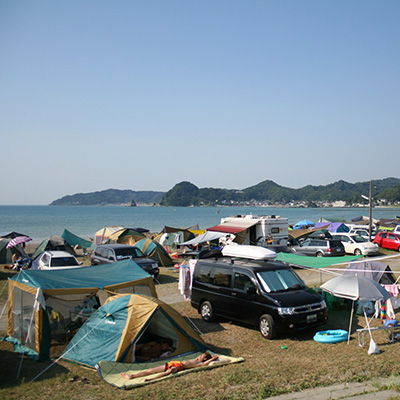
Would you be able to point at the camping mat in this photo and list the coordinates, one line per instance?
(110, 371)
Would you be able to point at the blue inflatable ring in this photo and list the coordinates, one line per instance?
(331, 336)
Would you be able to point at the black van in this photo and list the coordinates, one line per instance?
(269, 295)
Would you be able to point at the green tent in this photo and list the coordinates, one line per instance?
(113, 331)
(154, 250)
(74, 240)
(47, 305)
(313, 262)
(5, 254)
(127, 236)
(53, 243)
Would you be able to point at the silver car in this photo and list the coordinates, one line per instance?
(320, 247)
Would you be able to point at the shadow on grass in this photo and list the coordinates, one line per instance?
(166, 279)
(206, 327)
(16, 369)
(7, 274)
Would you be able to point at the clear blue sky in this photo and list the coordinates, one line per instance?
(142, 95)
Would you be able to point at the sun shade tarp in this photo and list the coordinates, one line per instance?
(233, 227)
(98, 276)
(75, 240)
(314, 262)
(205, 237)
(110, 372)
(298, 233)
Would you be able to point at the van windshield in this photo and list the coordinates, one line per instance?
(280, 280)
(129, 252)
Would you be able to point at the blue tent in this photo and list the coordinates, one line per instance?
(154, 250)
(333, 226)
(303, 224)
(113, 331)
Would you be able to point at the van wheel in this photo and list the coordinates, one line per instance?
(266, 325)
(319, 254)
(206, 311)
(357, 252)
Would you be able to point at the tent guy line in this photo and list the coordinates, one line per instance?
(62, 355)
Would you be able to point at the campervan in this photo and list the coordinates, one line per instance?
(259, 230)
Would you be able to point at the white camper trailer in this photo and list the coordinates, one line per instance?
(258, 230)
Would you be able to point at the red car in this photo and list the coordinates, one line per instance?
(388, 240)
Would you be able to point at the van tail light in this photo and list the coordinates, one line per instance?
(329, 250)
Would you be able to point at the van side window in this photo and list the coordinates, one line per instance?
(242, 282)
(222, 277)
(203, 274)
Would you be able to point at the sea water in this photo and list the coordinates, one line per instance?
(40, 222)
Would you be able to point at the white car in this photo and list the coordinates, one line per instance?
(356, 244)
(55, 260)
(364, 233)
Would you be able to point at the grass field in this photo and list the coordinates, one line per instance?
(287, 364)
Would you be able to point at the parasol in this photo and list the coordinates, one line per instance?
(18, 240)
(354, 287)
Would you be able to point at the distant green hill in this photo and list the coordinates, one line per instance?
(109, 197)
(187, 194)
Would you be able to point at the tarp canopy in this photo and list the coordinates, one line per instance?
(170, 229)
(374, 270)
(298, 233)
(233, 226)
(313, 262)
(11, 235)
(103, 276)
(113, 331)
(53, 243)
(388, 224)
(176, 238)
(205, 237)
(47, 305)
(363, 220)
(75, 240)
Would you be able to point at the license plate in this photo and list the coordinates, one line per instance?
(311, 318)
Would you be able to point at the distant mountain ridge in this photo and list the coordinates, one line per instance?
(109, 197)
(186, 194)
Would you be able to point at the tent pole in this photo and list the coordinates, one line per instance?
(351, 322)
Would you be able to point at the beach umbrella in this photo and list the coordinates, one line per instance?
(18, 240)
(354, 287)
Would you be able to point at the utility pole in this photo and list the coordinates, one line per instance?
(370, 210)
